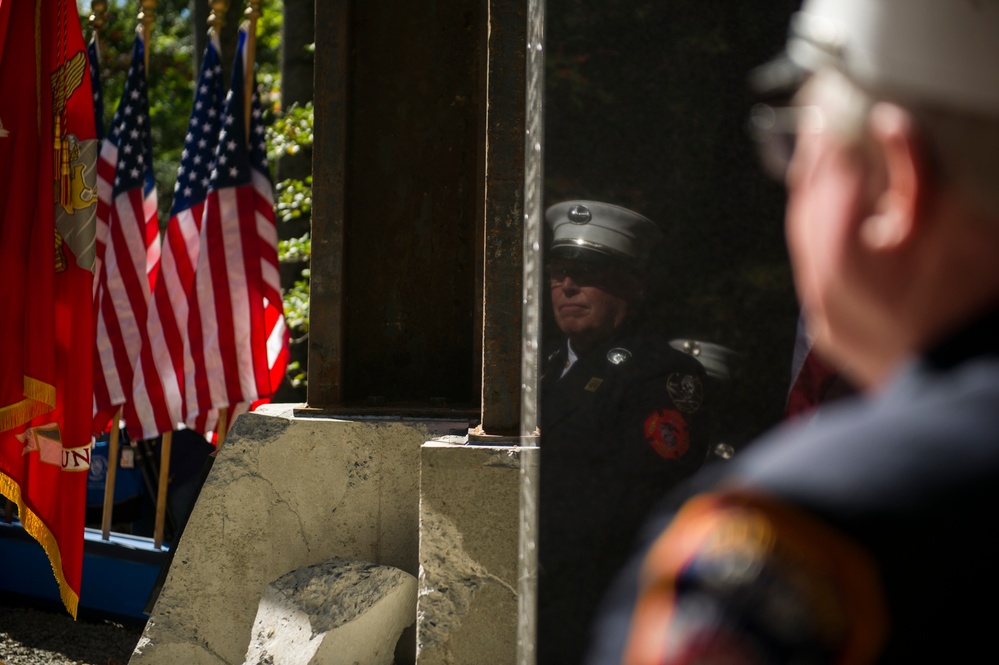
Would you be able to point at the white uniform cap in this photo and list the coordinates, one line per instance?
(604, 228)
(942, 52)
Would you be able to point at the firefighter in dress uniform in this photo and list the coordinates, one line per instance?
(622, 415)
(864, 535)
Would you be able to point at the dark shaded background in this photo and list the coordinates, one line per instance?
(646, 105)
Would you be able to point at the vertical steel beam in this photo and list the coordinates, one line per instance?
(502, 289)
(328, 195)
(533, 202)
(529, 458)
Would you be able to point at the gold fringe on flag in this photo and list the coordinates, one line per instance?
(39, 398)
(38, 530)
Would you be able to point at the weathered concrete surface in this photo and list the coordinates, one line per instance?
(467, 609)
(284, 492)
(338, 612)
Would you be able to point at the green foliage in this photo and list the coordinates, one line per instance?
(294, 199)
(290, 132)
(269, 35)
(287, 135)
(296, 375)
(296, 301)
(295, 249)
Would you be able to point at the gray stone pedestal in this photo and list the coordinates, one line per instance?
(467, 607)
(285, 492)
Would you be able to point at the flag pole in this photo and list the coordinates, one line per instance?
(161, 491)
(222, 427)
(146, 18)
(98, 12)
(216, 18)
(252, 13)
(166, 441)
(109, 479)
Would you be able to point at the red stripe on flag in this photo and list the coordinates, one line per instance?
(238, 346)
(257, 351)
(129, 253)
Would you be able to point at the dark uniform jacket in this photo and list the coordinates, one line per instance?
(866, 535)
(623, 426)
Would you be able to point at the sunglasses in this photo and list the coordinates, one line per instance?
(581, 273)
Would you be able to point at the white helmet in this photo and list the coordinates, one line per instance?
(941, 52)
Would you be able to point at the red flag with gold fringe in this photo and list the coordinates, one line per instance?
(48, 151)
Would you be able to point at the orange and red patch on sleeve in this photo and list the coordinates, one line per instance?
(668, 433)
(742, 579)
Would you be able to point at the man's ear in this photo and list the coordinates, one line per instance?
(897, 206)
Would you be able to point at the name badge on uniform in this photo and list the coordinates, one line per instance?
(593, 384)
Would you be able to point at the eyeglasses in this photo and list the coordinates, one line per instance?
(775, 131)
(581, 273)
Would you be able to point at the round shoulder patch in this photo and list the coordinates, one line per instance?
(668, 434)
(686, 391)
(618, 356)
(754, 569)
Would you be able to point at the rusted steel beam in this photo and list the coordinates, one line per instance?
(502, 290)
(328, 195)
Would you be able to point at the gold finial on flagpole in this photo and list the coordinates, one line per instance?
(252, 13)
(216, 18)
(146, 19)
(98, 13)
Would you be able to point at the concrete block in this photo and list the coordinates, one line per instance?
(339, 612)
(284, 492)
(469, 502)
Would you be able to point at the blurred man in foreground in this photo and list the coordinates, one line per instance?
(622, 415)
(866, 535)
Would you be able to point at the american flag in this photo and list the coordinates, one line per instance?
(128, 247)
(236, 332)
(159, 403)
(94, 57)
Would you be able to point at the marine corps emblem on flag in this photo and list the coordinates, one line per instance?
(76, 175)
(668, 434)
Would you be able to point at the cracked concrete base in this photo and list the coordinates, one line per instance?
(285, 492)
(338, 612)
(467, 607)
